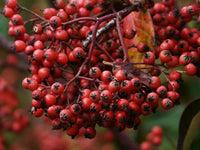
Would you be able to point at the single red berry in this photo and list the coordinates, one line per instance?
(149, 58)
(166, 103)
(190, 69)
(142, 47)
(55, 21)
(154, 82)
(37, 28)
(62, 58)
(106, 96)
(85, 93)
(90, 132)
(121, 75)
(168, 3)
(75, 109)
(50, 100)
(165, 56)
(12, 3)
(126, 86)
(173, 86)
(57, 88)
(70, 9)
(157, 140)
(138, 98)
(145, 146)
(37, 112)
(73, 130)
(121, 116)
(61, 35)
(157, 131)
(86, 102)
(8, 12)
(146, 109)
(95, 96)
(152, 97)
(114, 86)
(44, 72)
(65, 115)
(161, 91)
(136, 83)
(20, 45)
(94, 72)
(38, 55)
(17, 19)
(122, 104)
(106, 76)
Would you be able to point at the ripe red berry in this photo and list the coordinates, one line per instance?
(149, 58)
(106, 96)
(190, 69)
(142, 47)
(146, 109)
(166, 103)
(20, 45)
(154, 82)
(62, 58)
(44, 72)
(165, 56)
(50, 100)
(17, 19)
(94, 72)
(157, 131)
(145, 146)
(106, 76)
(57, 88)
(161, 91)
(55, 21)
(90, 132)
(120, 75)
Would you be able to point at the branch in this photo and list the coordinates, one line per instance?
(123, 13)
(7, 46)
(125, 141)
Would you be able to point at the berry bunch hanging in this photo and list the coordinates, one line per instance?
(81, 72)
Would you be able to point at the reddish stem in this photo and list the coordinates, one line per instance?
(89, 55)
(33, 13)
(79, 19)
(126, 57)
(102, 49)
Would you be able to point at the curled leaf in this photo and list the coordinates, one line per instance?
(188, 114)
(134, 72)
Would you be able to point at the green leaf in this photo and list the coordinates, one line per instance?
(187, 116)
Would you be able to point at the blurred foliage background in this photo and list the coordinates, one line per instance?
(168, 120)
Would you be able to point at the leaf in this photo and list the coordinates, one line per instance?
(133, 72)
(140, 22)
(188, 114)
(191, 133)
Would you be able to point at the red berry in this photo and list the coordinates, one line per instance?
(20, 45)
(55, 21)
(57, 88)
(94, 72)
(149, 58)
(190, 69)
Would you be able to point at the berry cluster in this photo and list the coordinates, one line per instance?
(81, 71)
(11, 118)
(153, 138)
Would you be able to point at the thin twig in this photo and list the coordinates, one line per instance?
(125, 51)
(31, 12)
